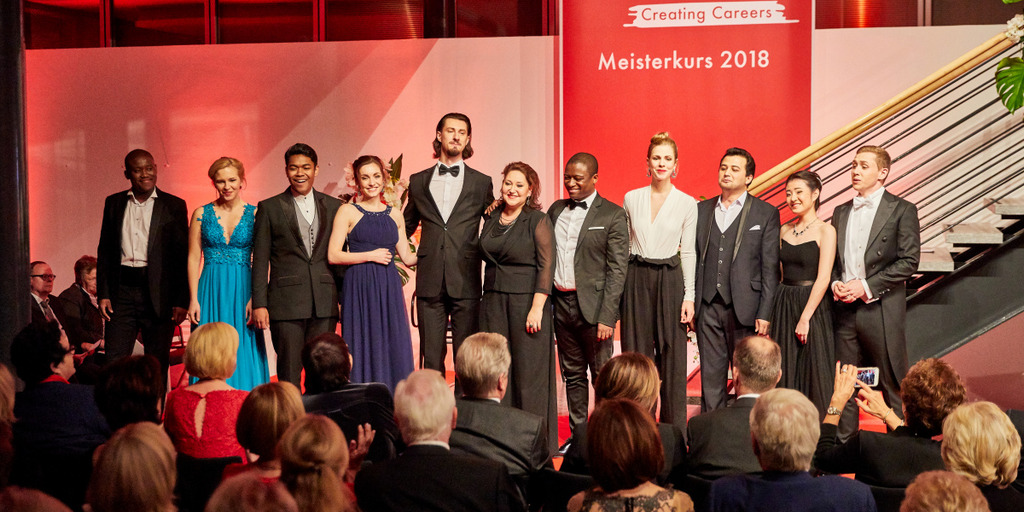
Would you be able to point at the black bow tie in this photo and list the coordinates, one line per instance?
(574, 204)
(444, 169)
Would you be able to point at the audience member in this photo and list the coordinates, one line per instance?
(980, 443)
(7, 389)
(81, 308)
(131, 390)
(626, 455)
(784, 430)
(943, 491)
(17, 499)
(633, 376)
(58, 424)
(46, 307)
(427, 476)
(485, 428)
(201, 418)
(248, 492)
(314, 457)
(1017, 417)
(329, 392)
(265, 415)
(930, 391)
(719, 440)
(134, 472)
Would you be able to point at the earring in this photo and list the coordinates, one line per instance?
(675, 173)
(648, 172)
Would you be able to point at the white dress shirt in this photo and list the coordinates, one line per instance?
(672, 232)
(724, 217)
(858, 229)
(39, 303)
(567, 236)
(446, 189)
(135, 231)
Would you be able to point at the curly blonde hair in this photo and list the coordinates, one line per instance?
(980, 442)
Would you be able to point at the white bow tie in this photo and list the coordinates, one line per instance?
(861, 202)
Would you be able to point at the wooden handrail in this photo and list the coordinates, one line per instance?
(986, 51)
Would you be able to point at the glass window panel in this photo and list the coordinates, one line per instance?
(959, 12)
(865, 13)
(352, 20)
(62, 23)
(487, 18)
(265, 21)
(158, 22)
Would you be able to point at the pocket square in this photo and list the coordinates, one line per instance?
(757, 227)
(591, 228)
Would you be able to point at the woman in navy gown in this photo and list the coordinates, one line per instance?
(219, 270)
(373, 317)
(802, 317)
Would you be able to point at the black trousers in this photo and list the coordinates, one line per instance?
(134, 314)
(718, 330)
(288, 337)
(578, 350)
(433, 313)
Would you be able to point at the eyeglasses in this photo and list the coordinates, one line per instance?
(45, 277)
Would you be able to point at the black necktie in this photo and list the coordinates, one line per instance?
(443, 169)
(574, 204)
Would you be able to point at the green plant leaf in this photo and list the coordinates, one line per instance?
(1010, 1)
(396, 169)
(1010, 82)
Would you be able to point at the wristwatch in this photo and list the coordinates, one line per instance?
(832, 411)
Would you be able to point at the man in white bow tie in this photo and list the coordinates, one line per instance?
(737, 271)
(878, 249)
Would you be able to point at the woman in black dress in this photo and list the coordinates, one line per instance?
(518, 249)
(802, 317)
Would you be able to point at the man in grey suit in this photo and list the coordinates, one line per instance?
(290, 236)
(719, 440)
(448, 199)
(591, 254)
(737, 271)
(878, 239)
(485, 428)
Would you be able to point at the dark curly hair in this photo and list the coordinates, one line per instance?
(532, 181)
(930, 391)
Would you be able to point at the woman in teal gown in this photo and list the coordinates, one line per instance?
(219, 270)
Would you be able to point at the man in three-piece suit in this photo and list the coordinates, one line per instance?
(737, 271)
(290, 234)
(486, 428)
(427, 475)
(719, 440)
(592, 251)
(141, 272)
(878, 249)
(449, 200)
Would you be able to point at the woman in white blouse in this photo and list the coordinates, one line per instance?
(657, 301)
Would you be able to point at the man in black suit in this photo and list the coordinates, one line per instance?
(81, 307)
(878, 245)
(46, 307)
(449, 200)
(719, 440)
(290, 236)
(737, 271)
(486, 428)
(427, 476)
(592, 251)
(141, 272)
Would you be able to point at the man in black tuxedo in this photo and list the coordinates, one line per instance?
(737, 271)
(719, 440)
(487, 429)
(290, 234)
(427, 475)
(592, 251)
(449, 200)
(141, 272)
(878, 248)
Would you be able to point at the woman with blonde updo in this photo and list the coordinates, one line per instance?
(657, 300)
(134, 471)
(980, 442)
(314, 460)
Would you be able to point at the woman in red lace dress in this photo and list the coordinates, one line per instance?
(200, 419)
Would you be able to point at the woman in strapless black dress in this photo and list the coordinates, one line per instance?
(802, 317)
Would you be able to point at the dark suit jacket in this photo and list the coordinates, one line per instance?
(577, 460)
(526, 261)
(167, 254)
(719, 441)
(431, 478)
(755, 268)
(515, 438)
(84, 323)
(59, 308)
(1017, 417)
(891, 257)
(883, 460)
(301, 285)
(448, 251)
(357, 404)
(776, 491)
(602, 254)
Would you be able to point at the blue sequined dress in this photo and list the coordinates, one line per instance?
(225, 287)
(374, 322)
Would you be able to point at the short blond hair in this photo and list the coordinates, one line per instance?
(134, 471)
(211, 351)
(943, 491)
(424, 405)
(482, 359)
(784, 423)
(629, 375)
(980, 442)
